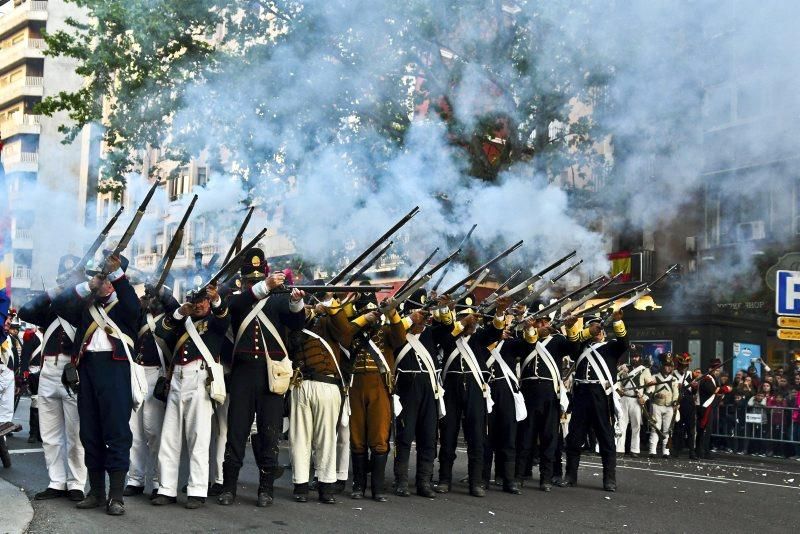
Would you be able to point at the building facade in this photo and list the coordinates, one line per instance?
(47, 194)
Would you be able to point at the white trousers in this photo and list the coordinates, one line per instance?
(188, 414)
(6, 394)
(631, 414)
(219, 437)
(59, 425)
(312, 427)
(146, 425)
(663, 420)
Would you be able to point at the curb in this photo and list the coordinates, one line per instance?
(17, 509)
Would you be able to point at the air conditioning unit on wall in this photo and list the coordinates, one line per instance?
(751, 231)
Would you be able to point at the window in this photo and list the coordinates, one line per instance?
(202, 176)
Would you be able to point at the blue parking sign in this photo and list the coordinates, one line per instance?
(787, 293)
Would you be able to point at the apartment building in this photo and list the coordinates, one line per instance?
(42, 174)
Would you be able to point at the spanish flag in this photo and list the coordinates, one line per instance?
(621, 263)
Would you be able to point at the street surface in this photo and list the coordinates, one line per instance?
(741, 495)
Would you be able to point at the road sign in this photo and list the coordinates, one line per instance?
(789, 334)
(789, 322)
(787, 293)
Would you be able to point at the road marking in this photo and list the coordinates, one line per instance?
(699, 477)
(712, 463)
(24, 451)
(691, 477)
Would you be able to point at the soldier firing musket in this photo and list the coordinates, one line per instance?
(92, 250)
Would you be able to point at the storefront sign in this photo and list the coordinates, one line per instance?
(789, 334)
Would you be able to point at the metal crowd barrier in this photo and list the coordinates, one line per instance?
(760, 423)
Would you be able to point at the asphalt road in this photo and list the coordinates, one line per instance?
(654, 496)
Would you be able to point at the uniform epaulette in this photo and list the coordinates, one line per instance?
(619, 329)
(499, 321)
(531, 335)
(407, 322)
(457, 328)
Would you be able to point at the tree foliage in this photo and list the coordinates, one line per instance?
(264, 83)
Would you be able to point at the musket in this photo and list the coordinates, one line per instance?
(557, 304)
(648, 288)
(586, 298)
(162, 270)
(344, 272)
(331, 289)
(480, 269)
(400, 297)
(232, 264)
(538, 276)
(369, 263)
(496, 293)
(533, 294)
(472, 286)
(433, 270)
(416, 272)
(237, 241)
(602, 306)
(458, 250)
(92, 250)
(128, 235)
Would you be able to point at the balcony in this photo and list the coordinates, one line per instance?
(21, 277)
(21, 162)
(20, 16)
(147, 261)
(19, 52)
(26, 125)
(31, 86)
(22, 238)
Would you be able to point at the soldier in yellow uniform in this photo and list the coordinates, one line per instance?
(370, 398)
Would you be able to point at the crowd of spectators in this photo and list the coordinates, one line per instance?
(761, 414)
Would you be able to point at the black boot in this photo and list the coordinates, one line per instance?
(475, 472)
(571, 471)
(338, 487)
(116, 487)
(300, 492)
(34, 435)
(378, 477)
(5, 456)
(445, 478)
(359, 475)
(230, 476)
(610, 473)
(97, 491)
(401, 478)
(326, 491)
(266, 479)
(510, 484)
(424, 473)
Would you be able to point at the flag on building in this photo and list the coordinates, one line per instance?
(621, 263)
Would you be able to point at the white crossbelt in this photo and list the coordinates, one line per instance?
(427, 361)
(345, 419)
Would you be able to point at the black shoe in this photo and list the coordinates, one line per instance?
(193, 503)
(477, 491)
(264, 500)
(326, 493)
(31, 439)
(555, 481)
(130, 491)
(378, 476)
(652, 455)
(634, 455)
(153, 494)
(568, 483)
(50, 493)
(161, 500)
(425, 490)
(512, 487)
(91, 501)
(402, 490)
(75, 495)
(545, 487)
(610, 486)
(442, 487)
(226, 498)
(215, 490)
(115, 507)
